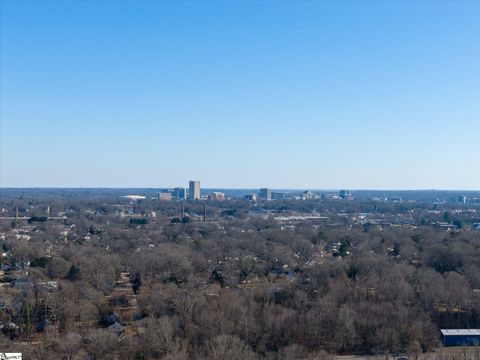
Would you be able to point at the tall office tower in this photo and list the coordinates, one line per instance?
(194, 190)
(179, 193)
(265, 194)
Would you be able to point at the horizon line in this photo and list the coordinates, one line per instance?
(228, 188)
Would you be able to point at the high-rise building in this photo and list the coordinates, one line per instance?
(179, 193)
(194, 190)
(265, 194)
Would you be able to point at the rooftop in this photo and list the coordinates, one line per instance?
(460, 332)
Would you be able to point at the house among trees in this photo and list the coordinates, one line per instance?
(116, 328)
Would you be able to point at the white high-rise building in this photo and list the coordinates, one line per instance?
(194, 190)
(265, 194)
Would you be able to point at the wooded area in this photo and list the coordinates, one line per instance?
(240, 285)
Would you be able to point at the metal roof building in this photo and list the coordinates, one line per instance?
(460, 337)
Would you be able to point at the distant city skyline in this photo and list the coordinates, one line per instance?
(284, 95)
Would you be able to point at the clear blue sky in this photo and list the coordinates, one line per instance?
(317, 94)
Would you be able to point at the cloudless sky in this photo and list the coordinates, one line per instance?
(285, 94)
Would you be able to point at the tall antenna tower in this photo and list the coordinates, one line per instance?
(16, 213)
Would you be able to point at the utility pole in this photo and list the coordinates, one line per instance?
(204, 212)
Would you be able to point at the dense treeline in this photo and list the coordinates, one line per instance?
(240, 285)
